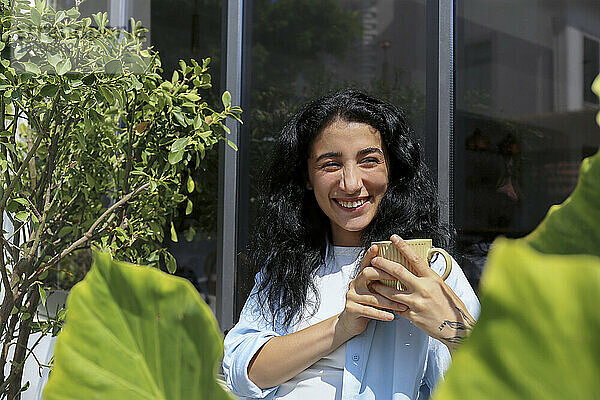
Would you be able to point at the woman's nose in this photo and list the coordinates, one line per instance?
(350, 181)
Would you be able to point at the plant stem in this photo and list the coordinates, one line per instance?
(21, 348)
(89, 234)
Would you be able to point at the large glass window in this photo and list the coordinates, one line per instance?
(525, 115)
(304, 49)
(182, 30)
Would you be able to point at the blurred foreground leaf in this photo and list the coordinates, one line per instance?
(537, 336)
(136, 333)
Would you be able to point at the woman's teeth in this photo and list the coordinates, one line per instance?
(352, 204)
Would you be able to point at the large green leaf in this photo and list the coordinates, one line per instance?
(537, 336)
(136, 333)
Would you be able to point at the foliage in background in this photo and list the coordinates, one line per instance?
(95, 150)
(537, 336)
(136, 333)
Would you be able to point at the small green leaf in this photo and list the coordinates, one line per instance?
(2, 46)
(189, 207)
(60, 15)
(43, 275)
(173, 233)
(113, 67)
(63, 66)
(49, 90)
(171, 263)
(190, 234)
(175, 157)
(54, 59)
(43, 294)
(175, 77)
(180, 118)
(180, 144)
(21, 201)
(36, 17)
(32, 68)
(226, 99)
(22, 216)
(231, 144)
(190, 184)
(73, 13)
(192, 97)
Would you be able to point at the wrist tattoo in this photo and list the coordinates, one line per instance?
(464, 326)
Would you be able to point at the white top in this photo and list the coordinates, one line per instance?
(410, 360)
(323, 380)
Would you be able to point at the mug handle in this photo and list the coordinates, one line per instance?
(447, 258)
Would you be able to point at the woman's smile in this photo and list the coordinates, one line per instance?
(348, 172)
(351, 205)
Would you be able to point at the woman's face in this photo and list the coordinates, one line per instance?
(348, 172)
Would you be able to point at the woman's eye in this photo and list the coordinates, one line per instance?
(370, 160)
(330, 165)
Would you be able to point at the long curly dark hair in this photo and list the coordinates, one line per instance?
(291, 234)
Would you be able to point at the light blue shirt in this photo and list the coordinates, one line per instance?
(389, 360)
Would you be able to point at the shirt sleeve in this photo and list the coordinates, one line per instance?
(438, 357)
(241, 344)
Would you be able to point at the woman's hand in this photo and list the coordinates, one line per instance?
(363, 304)
(432, 305)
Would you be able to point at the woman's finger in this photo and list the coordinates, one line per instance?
(420, 267)
(366, 260)
(371, 273)
(377, 300)
(373, 313)
(393, 295)
(398, 271)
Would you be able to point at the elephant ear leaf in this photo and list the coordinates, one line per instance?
(537, 335)
(136, 333)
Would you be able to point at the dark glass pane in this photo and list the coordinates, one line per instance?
(184, 30)
(523, 119)
(590, 68)
(302, 49)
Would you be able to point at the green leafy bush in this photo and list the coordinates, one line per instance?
(95, 151)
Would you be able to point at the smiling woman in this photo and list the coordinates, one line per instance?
(345, 171)
(348, 172)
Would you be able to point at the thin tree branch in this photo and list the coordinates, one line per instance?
(89, 234)
(19, 354)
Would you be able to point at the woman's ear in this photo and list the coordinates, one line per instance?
(308, 185)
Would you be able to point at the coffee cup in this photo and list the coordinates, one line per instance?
(424, 249)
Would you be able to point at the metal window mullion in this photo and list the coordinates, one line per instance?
(445, 157)
(440, 100)
(228, 172)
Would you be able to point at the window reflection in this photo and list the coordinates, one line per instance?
(184, 30)
(525, 114)
(304, 49)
